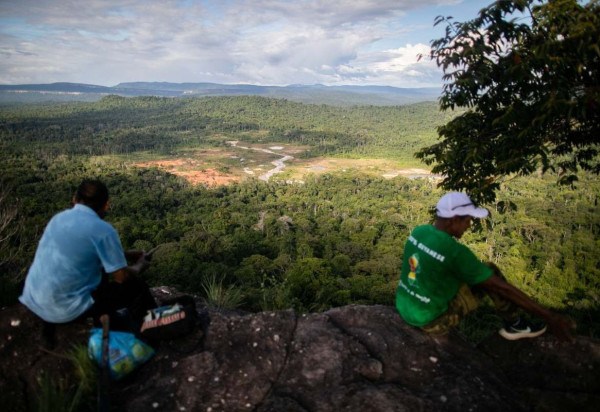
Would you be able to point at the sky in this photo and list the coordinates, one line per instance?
(263, 42)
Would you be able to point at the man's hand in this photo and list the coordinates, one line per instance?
(142, 263)
(151, 252)
(133, 255)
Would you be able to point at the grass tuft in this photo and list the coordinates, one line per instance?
(219, 296)
(69, 394)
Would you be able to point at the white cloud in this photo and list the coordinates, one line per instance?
(248, 41)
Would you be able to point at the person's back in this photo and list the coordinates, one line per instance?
(68, 263)
(435, 267)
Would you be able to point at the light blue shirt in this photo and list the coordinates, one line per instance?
(68, 263)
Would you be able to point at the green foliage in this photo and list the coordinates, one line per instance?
(216, 295)
(118, 125)
(529, 74)
(68, 394)
(53, 396)
(333, 240)
(479, 325)
(86, 372)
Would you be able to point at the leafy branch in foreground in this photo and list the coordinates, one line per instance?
(528, 73)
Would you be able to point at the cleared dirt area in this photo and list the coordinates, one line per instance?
(192, 170)
(208, 177)
(215, 167)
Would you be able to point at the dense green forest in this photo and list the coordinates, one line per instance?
(333, 240)
(119, 125)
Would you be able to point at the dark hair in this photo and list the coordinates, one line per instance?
(92, 193)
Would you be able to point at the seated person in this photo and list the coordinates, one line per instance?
(442, 280)
(76, 256)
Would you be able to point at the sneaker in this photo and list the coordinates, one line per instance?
(522, 329)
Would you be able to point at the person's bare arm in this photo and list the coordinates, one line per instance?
(560, 326)
(138, 267)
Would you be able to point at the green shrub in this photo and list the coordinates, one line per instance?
(70, 393)
(217, 295)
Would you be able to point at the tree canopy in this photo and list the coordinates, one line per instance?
(332, 240)
(527, 73)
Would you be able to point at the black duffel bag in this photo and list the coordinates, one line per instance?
(175, 318)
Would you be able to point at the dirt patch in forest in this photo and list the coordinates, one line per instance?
(166, 164)
(207, 177)
(192, 171)
(218, 167)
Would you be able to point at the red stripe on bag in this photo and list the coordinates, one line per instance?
(163, 321)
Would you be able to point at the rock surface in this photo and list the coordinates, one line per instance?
(352, 358)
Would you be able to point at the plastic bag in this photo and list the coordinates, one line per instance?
(126, 352)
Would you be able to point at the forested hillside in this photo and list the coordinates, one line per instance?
(335, 239)
(312, 94)
(119, 125)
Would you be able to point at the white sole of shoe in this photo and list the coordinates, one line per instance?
(520, 335)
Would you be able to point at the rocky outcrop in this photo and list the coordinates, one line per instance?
(353, 358)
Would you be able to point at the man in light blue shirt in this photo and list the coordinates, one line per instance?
(65, 280)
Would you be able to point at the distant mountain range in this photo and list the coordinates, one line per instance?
(316, 94)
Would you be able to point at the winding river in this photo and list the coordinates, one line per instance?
(279, 163)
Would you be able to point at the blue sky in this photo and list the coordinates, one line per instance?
(266, 42)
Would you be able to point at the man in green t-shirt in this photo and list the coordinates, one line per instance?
(442, 280)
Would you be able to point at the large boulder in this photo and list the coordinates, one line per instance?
(353, 358)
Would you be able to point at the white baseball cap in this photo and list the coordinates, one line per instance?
(458, 204)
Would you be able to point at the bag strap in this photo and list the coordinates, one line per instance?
(104, 382)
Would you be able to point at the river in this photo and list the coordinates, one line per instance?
(279, 163)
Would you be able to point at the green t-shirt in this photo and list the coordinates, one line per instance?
(434, 267)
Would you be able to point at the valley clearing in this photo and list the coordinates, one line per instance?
(217, 167)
